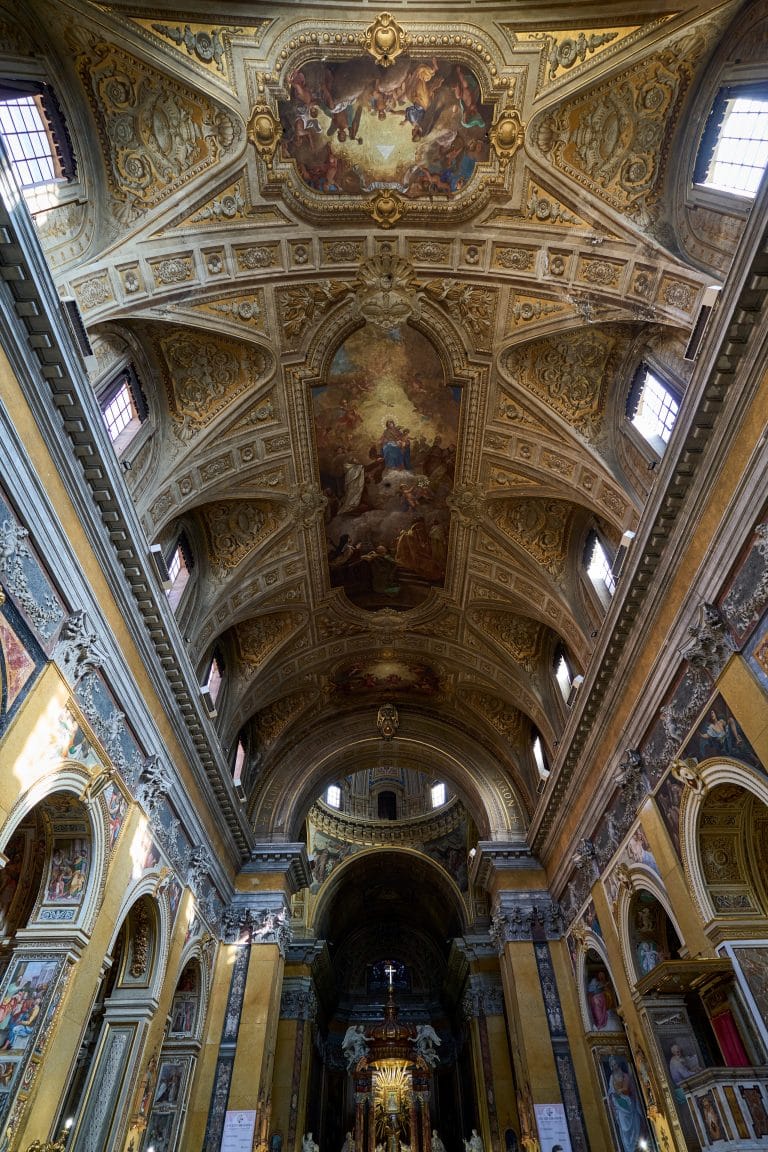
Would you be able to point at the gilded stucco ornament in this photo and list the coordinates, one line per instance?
(386, 208)
(264, 132)
(688, 772)
(387, 291)
(387, 721)
(385, 39)
(507, 136)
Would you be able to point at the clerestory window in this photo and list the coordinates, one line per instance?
(34, 134)
(599, 567)
(123, 408)
(652, 407)
(734, 148)
(179, 571)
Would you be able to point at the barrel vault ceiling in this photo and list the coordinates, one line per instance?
(385, 280)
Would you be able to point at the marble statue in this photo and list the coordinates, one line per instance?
(426, 1040)
(354, 1045)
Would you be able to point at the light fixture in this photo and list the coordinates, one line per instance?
(68, 1123)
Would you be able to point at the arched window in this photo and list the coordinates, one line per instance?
(239, 765)
(438, 794)
(333, 796)
(215, 676)
(734, 146)
(387, 802)
(563, 674)
(35, 134)
(539, 756)
(123, 407)
(180, 568)
(599, 568)
(652, 407)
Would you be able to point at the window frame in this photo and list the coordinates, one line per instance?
(175, 596)
(240, 762)
(336, 788)
(542, 765)
(647, 365)
(744, 76)
(29, 80)
(561, 658)
(602, 590)
(439, 784)
(215, 684)
(711, 136)
(125, 377)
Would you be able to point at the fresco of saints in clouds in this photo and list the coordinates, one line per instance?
(386, 428)
(418, 128)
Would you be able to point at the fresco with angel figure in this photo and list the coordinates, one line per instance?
(418, 128)
(386, 427)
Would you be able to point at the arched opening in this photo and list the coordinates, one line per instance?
(652, 934)
(45, 890)
(389, 920)
(387, 805)
(177, 1061)
(98, 1099)
(732, 840)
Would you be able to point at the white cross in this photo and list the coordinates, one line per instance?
(390, 971)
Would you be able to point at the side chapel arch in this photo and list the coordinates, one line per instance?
(724, 776)
(71, 781)
(635, 880)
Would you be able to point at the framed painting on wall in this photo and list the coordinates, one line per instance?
(622, 1097)
(750, 963)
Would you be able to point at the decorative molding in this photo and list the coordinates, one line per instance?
(525, 916)
(631, 779)
(289, 860)
(79, 649)
(710, 646)
(483, 996)
(298, 1000)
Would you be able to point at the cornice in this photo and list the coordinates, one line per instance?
(494, 857)
(418, 829)
(97, 488)
(726, 358)
(289, 860)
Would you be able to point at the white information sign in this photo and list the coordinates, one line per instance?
(553, 1128)
(238, 1131)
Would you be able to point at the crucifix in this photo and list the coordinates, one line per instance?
(390, 971)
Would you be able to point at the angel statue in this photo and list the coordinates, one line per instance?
(475, 1142)
(309, 1144)
(354, 1044)
(426, 1040)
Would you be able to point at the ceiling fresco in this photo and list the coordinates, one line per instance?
(386, 427)
(385, 283)
(418, 128)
